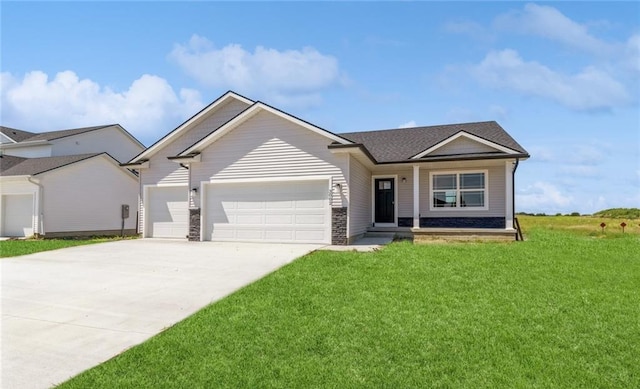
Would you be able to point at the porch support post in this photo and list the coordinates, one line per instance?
(416, 196)
(508, 179)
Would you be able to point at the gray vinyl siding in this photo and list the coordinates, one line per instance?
(462, 145)
(163, 171)
(267, 145)
(360, 198)
(405, 193)
(496, 194)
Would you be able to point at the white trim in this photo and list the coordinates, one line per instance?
(194, 119)
(247, 114)
(416, 196)
(466, 135)
(458, 208)
(395, 200)
(268, 179)
(186, 159)
(145, 196)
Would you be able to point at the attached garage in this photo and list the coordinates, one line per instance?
(17, 215)
(167, 212)
(282, 211)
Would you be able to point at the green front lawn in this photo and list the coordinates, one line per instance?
(16, 247)
(558, 310)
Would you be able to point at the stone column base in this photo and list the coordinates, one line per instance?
(339, 226)
(194, 225)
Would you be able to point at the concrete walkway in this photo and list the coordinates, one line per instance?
(65, 311)
(368, 243)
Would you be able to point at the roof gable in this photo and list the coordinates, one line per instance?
(15, 134)
(246, 115)
(189, 123)
(478, 146)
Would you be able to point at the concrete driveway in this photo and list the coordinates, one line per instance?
(65, 311)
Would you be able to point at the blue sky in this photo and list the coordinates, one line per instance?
(562, 77)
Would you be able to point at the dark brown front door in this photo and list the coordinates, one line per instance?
(385, 200)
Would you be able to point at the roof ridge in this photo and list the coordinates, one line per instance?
(420, 127)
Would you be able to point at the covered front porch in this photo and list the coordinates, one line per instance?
(462, 200)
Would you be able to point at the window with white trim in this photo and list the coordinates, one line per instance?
(459, 190)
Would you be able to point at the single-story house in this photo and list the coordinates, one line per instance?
(67, 183)
(241, 170)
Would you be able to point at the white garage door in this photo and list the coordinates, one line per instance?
(167, 212)
(17, 215)
(291, 211)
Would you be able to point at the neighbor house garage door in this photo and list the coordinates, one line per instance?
(17, 215)
(288, 211)
(167, 212)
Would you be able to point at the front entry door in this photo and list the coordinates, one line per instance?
(385, 200)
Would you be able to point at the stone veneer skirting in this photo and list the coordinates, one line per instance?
(454, 222)
(194, 224)
(339, 226)
(462, 222)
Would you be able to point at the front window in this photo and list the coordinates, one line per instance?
(459, 190)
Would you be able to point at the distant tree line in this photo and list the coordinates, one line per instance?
(616, 213)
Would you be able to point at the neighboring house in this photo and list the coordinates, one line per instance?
(67, 183)
(112, 139)
(241, 170)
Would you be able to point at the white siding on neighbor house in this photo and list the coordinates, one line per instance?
(360, 196)
(86, 196)
(109, 139)
(267, 145)
(462, 145)
(496, 194)
(18, 187)
(29, 151)
(164, 171)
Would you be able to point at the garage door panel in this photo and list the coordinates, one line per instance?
(17, 215)
(167, 212)
(270, 212)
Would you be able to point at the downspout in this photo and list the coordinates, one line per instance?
(513, 187)
(40, 206)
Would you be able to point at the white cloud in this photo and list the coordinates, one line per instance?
(586, 155)
(282, 77)
(588, 171)
(548, 22)
(37, 103)
(591, 89)
(542, 197)
(409, 124)
(471, 29)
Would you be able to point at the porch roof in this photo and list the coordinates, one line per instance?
(400, 145)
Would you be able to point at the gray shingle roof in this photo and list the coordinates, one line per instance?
(401, 144)
(15, 134)
(18, 166)
(51, 135)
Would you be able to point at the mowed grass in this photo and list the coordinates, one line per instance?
(16, 247)
(559, 310)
